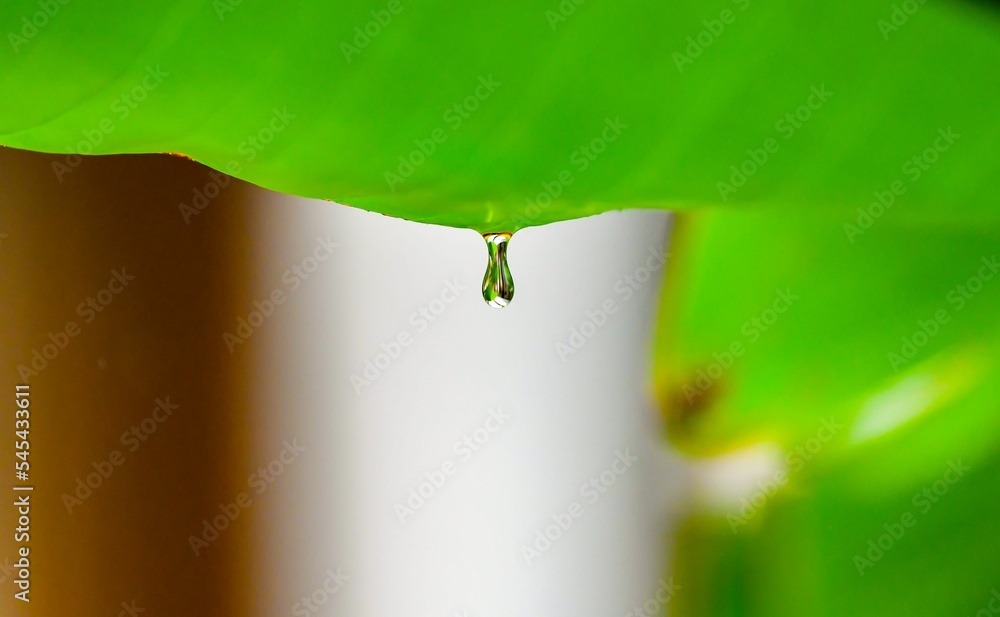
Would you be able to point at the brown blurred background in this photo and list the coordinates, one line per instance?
(160, 337)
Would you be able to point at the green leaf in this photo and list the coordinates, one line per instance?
(501, 108)
(770, 324)
(924, 496)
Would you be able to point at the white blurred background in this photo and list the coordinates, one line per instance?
(408, 498)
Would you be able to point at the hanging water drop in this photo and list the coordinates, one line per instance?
(498, 286)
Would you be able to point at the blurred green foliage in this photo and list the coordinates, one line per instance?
(772, 322)
(893, 336)
(850, 535)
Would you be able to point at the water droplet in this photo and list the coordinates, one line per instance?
(498, 286)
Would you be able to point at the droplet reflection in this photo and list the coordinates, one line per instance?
(498, 286)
